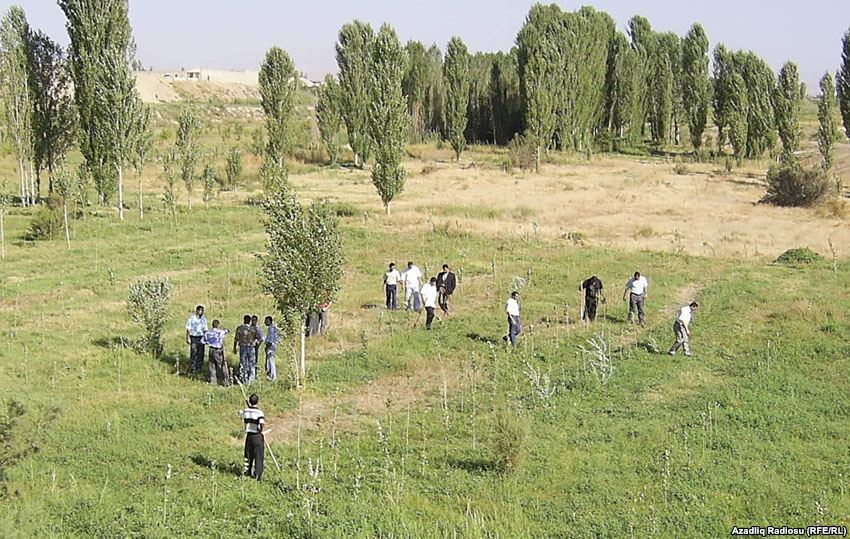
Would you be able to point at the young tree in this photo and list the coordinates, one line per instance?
(16, 94)
(329, 116)
(210, 183)
(147, 305)
(696, 86)
(787, 102)
(456, 74)
(303, 263)
(66, 188)
(843, 82)
(54, 116)
(388, 120)
(233, 168)
(5, 202)
(278, 86)
(354, 59)
(187, 148)
(828, 131)
(170, 174)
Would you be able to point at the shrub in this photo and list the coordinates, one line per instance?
(798, 255)
(521, 153)
(509, 434)
(344, 209)
(681, 169)
(148, 306)
(793, 185)
(47, 222)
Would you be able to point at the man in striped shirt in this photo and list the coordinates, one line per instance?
(254, 442)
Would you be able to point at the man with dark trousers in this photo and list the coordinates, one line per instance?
(446, 284)
(255, 447)
(196, 326)
(592, 289)
(391, 280)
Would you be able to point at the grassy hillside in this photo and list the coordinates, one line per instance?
(400, 432)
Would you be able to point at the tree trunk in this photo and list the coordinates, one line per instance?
(24, 197)
(38, 183)
(33, 199)
(120, 170)
(302, 367)
(65, 219)
(387, 207)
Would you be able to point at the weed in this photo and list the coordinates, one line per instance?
(509, 435)
(798, 256)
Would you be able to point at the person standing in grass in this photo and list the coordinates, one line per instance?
(246, 339)
(514, 323)
(429, 298)
(446, 284)
(196, 326)
(272, 338)
(214, 338)
(412, 283)
(255, 323)
(636, 289)
(682, 329)
(391, 280)
(592, 289)
(255, 443)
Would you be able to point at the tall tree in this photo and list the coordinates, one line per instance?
(724, 67)
(504, 97)
(434, 113)
(843, 82)
(16, 94)
(787, 102)
(696, 86)
(54, 116)
(278, 86)
(329, 116)
(456, 74)
(415, 85)
(737, 114)
(828, 131)
(187, 149)
(665, 54)
(761, 122)
(354, 59)
(303, 263)
(66, 189)
(387, 114)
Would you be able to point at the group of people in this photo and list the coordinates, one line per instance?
(419, 292)
(248, 340)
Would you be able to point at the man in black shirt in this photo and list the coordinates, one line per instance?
(592, 288)
(446, 284)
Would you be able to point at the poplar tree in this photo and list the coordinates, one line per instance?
(415, 85)
(696, 86)
(456, 73)
(828, 131)
(66, 188)
(388, 120)
(187, 149)
(278, 86)
(843, 82)
(329, 116)
(354, 59)
(761, 123)
(737, 114)
(787, 102)
(434, 115)
(661, 98)
(54, 116)
(723, 69)
(16, 95)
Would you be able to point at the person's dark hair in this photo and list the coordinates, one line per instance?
(433, 279)
(392, 264)
(246, 319)
(514, 294)
(694, 304)
(409, 263)
(637, 275)
(269, 319)
(254, 317)
(445, 266)
(199, 307)
(216, 323)
(253, 399)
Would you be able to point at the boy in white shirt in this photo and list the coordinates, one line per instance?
(514, 324)
(682, 329)
(429, 299)
(636, 289)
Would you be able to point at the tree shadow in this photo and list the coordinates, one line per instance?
(113, 342)
(477, 337)
(477, 466)
(649, 347)
(233, 468)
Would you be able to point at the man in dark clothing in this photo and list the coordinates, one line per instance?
(446, 284)
(255, 323)
(246, 339)
(592, 289)
(254, 421)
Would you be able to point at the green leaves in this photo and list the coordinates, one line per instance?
(147, 305)
(354, 59)
(278, 86)
(187, 148)
(786, 102)
(456, 74)
(843, 82)
(329, 116)
(696, 85)
(828, 131)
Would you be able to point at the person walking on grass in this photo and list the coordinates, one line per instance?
(214, 338)
(412, 277)
(391, 280)
(255, 443)
(246, 339)
(682, 329)
(446, 284)
(514, 323)
(592, 289)
(272, 338)
(255, 323)
(636, 289)
(196, 326)
(429, 299)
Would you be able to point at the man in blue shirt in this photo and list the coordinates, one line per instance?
(272, 338)
(214, 338)
(196, 326)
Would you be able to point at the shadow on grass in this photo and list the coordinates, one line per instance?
(477, 466)
(477, 337)
(233, 468)
(110, 343)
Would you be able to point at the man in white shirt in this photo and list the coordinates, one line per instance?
(514, 324)
(412, 278)
(682, 329)
(636, 289)
(391, 279)
(196, 326)
(429, 298)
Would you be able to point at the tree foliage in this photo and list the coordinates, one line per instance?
(233, 167)
(147, 305)
(696, 85)
(415, 84)
(329, 116)
(278, 86)
(456, 74)
(388, 120)
(187, 149)
(828, 131)
(736, 114)
(354, 59)
(787, 102)
(843, 82)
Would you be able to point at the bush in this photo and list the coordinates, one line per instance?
(148, 306)
(681, 169)
(795, 186)
(509, 433)
(521, 153)
(47, 222)
(798, 256)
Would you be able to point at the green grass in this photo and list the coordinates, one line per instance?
(753, 429)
